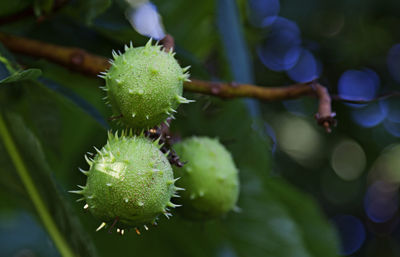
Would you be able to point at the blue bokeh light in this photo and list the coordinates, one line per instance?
(306, 69)
(381, 201)
(358, 85)
(370, 115)
(264, 12)
(282, 49)
(351, 231)
(393, 62)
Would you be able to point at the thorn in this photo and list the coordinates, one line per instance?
(137, 231)
(101, 76)
(97, 150)
(118, 230)
(102, 225)
(126, 48)
(113, 224)
(81, 187)
(148, 44)
(108, 184)
(114, 54)
(80, 199)
(179, 189)
(237, 209)
(88, 160)
(126, 200)
(183, 100)
(147, 117)
(86, 206)
(78, 192)
(172, 205)
(130, 44)
(167, 214)
(122, 232)
(145, 227)
(186, 68)
(176, 195)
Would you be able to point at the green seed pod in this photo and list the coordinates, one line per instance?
(145, 85)
(129, 183)
(209, 177)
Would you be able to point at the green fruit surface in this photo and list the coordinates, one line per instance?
(129, 178)
(209, 177)
(145, 84)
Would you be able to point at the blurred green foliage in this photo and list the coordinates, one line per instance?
(288, 186)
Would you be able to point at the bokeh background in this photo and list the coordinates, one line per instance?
(304, 192)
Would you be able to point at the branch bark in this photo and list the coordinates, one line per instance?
(90, 64)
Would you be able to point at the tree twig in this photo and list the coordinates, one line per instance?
(90, 64)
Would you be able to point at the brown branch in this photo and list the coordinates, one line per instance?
(84, 62)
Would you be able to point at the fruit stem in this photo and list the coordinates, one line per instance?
(40, 207)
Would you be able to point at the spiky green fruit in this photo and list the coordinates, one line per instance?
(144, 85)
(209, 176)
(130, 182)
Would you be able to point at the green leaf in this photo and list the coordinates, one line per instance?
(86, 11)
(30, 164)
(29, 74)
(41, 7)
(11, 7)
(277, 220)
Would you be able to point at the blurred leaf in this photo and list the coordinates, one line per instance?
(39, 179)
(63, 138)
(197, 33)
(86, 11)
(11, 7)
(77, 100)
(41, 7)
(29, 74)
(277, 220)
